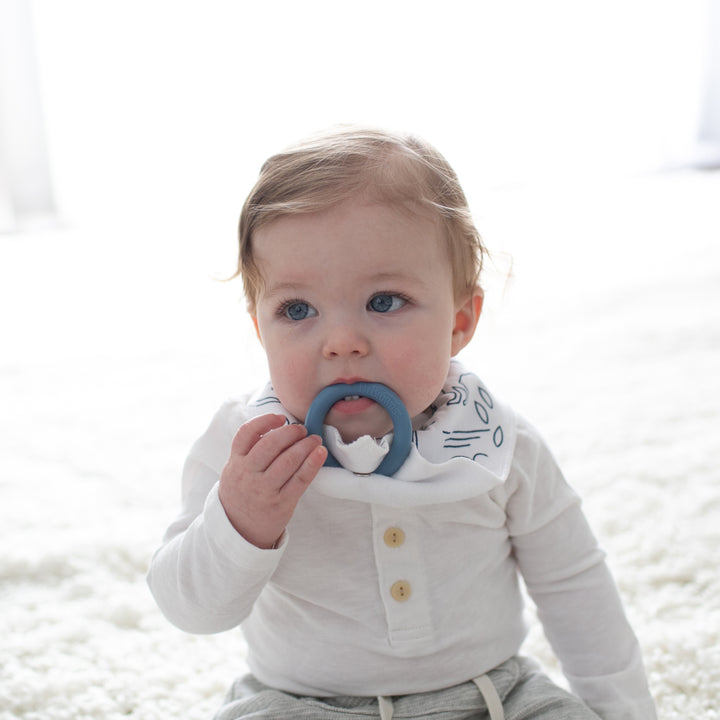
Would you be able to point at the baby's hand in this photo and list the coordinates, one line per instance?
(271, 465)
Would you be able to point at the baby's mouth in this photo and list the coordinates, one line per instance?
(353, 404)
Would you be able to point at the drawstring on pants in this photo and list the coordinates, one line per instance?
(386, 707)
(492, 699)
(484, 685)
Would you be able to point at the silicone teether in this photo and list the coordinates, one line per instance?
(402, 428)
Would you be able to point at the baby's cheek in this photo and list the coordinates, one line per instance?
(422, 384)
(289, 386)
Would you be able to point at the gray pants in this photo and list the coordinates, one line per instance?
(516, 690)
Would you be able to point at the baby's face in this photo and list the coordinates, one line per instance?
(359, 292)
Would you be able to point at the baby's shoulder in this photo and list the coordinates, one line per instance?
(213, 446)
(232, 413)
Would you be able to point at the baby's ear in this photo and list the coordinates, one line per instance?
(466, 320)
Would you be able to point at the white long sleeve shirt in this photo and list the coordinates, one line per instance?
(405, 584)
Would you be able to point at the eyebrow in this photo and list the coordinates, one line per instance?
(393, 277)
(382, 276)
(285, 287)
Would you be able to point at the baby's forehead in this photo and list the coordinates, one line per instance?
(362, 203)
(295, 257)
(375, 227)
(356, 220)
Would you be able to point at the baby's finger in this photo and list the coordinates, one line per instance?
(272, 445)
(288, 462)
(305, 474)
(253, 430)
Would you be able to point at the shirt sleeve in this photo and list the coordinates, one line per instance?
(205, 577)
(568, 579)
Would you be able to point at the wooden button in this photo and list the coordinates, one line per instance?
(394, 537)
(400, 590)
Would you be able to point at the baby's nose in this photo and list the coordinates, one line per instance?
(344, 340)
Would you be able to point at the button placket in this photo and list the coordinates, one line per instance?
(401, 575)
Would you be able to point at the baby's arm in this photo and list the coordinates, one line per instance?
(583, 617)
(567, 576)
(271, 465)
(207, 574)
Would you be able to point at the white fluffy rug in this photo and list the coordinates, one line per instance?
(113, 359)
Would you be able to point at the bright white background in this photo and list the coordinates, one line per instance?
(157, 106)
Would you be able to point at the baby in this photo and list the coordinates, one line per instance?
(360, 594)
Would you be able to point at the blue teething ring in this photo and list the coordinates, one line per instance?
(402, 427)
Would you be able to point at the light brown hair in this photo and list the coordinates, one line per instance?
(348, 161)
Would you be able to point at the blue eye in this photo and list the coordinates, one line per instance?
(297, 310)
(386, 303)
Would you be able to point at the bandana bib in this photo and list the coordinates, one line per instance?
(462, 448)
